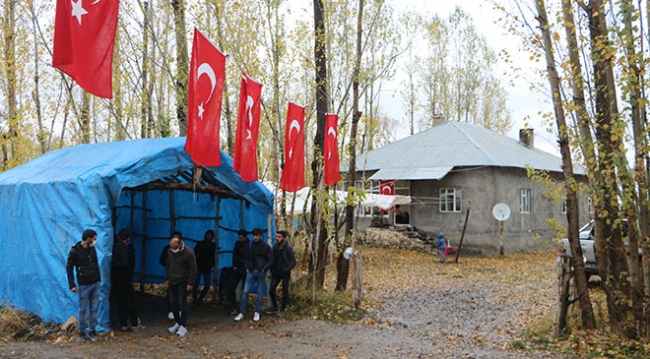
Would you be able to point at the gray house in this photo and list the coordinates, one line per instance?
(448, 166)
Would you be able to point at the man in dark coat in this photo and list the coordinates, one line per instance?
(163, 262)
(179, 278)
(284, 259)
(83, 259)
(258, 260)
(238, 268)
(205, 252)
(122, 268)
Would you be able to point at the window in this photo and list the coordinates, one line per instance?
(564, 206)
(450, 199)
(524, 201)
(590, 205)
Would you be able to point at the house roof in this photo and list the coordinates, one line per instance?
(431, 154)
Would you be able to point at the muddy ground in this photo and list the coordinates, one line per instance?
(460, 310)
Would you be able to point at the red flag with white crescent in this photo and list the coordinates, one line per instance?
(387, 188)
(293, 173)
(331, 155)
(205, 93)
(248, 125)
(84, 34)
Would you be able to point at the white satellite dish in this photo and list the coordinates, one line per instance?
(501, 211)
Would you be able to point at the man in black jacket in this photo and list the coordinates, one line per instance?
(83, 258)
(238, 268)
(284, 259)
(179, 278)
(258, 259)
(122, 267)
(205, 252)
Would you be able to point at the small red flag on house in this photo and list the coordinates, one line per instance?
(84, 34)
(205, 92)
(293, 173)
(331, 155)
(248, 125)
(387, 188)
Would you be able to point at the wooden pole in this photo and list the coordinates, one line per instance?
(143, 262)
(462, 235)
(358, 278)
(215, 272)
(501, 238)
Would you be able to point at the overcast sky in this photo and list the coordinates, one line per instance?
(523, 102)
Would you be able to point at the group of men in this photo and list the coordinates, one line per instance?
(184, 269)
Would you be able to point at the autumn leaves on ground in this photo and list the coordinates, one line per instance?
(482, 307)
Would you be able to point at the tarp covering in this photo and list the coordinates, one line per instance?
(47, 203)
(370, 200)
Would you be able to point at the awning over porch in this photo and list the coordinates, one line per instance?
(411, 173)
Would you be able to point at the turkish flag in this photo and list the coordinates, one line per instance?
(331, 160)
(205, 92)
(387, 188)
(248, 125)
(293, 174)
(84, 34)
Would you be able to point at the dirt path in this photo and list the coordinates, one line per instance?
(444, 312)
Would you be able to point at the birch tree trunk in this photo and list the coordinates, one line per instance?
(319, 221)
(342, 264)
(570, 184)
(182, 65)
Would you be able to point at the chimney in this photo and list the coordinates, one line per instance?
(527, 137)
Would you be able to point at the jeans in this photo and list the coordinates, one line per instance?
(233, 280)
(88, 301)
(178, 301)
(276, 278)
(254, 276)
(207, 276)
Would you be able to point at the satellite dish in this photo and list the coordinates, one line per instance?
(501, 211)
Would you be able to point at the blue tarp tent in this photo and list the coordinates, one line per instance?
(150, 186)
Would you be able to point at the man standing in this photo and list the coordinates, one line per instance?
(83, 258)
(163, 262)
(238, 268)
(122, 268)
(204, 251)
(284, 259)
(181, 271)
(259, 258)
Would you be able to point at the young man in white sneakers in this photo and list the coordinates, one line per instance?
(179, 278)
(258, 260)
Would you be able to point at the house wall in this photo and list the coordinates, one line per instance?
(485, 187)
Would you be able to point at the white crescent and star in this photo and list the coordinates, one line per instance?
(331, 131)
(249, 111)
(206, 69)
(78, 10)
(296, 125)
(385, 189)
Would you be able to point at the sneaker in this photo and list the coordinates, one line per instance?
(126, 328)
(173, 329)
(256, 317)
(181, 331)
(234, 311)
(93, 336)
(170, 316)
(272, 310)
(239, 317)
(81, 338)
(281, 313)
(139, 327)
